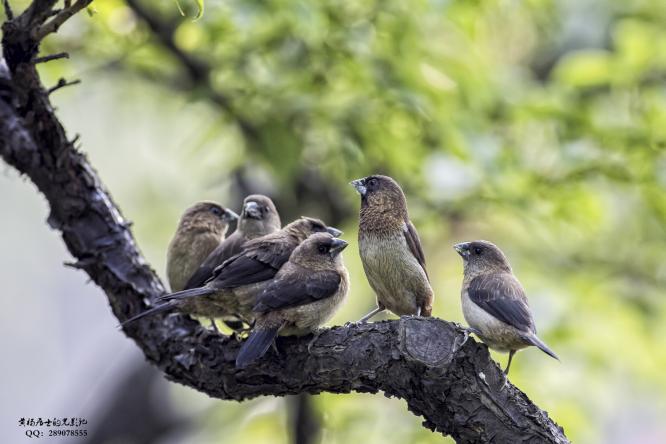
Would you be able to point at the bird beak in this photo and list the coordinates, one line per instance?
(230, 216)
(252, 210)
(359, 184)
(334, 231)
(337, 245)
(462, 249)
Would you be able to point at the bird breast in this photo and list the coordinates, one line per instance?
(494, 333)
(307, 318)
(393, 272)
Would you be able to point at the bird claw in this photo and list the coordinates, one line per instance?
(476, 331)
(317, 333)
(275, 347)
(466, 332)
(506, 380)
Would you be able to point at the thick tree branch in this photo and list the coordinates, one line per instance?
(450, 381)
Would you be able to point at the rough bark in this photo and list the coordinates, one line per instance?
(450, 381)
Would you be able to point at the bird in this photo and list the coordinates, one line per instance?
(234, 285)
(304, 294)
(390, 250)
(258, 218)
(494, 302)
(201, 229)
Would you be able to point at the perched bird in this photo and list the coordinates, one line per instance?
(391, 250)
(235, 284)
(304, 294)
(232, 289)
(258, 218)
(201, 229)
(494, 302)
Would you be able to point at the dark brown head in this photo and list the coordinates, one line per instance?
(482, 257)
(207, 216)
(321, 251)
(304, 226)
(259, 216)
(381, 196)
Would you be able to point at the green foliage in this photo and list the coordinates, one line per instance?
(540, 125)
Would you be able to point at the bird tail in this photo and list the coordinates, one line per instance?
(256, 345)
(169, 301)
(187, 294)
(534, 340)
(151, 311)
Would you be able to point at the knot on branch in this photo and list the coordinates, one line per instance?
(428, 341)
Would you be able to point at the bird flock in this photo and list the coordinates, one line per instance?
(270, 280)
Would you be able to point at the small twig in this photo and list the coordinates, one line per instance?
(60, 55)
(61, 84)
(8, 10)
(59, 19)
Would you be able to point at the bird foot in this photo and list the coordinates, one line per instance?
(367, 317)
(317, 333)
(274, 346)
(504, 383)
(466, 332)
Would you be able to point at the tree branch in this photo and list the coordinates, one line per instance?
(198, 71)
(450, 381)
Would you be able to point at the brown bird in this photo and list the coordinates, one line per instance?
(258, 218)
(494, 302)
(234, 285)
(201, 229)
(390, 250)
(305, 294)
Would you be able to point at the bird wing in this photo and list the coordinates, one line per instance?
(224, 251)
(414, 244)
(297, 288)
(502, 296)
(258, 262)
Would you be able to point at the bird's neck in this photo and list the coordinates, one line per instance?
(252, 228)
(195, 228)
(472, 271)
(386, 218)
(296, 233)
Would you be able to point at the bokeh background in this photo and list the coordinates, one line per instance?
(537, 124)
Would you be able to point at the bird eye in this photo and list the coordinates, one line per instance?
(323, 249)
(216, 211)
(372, 182)
(478, 250)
